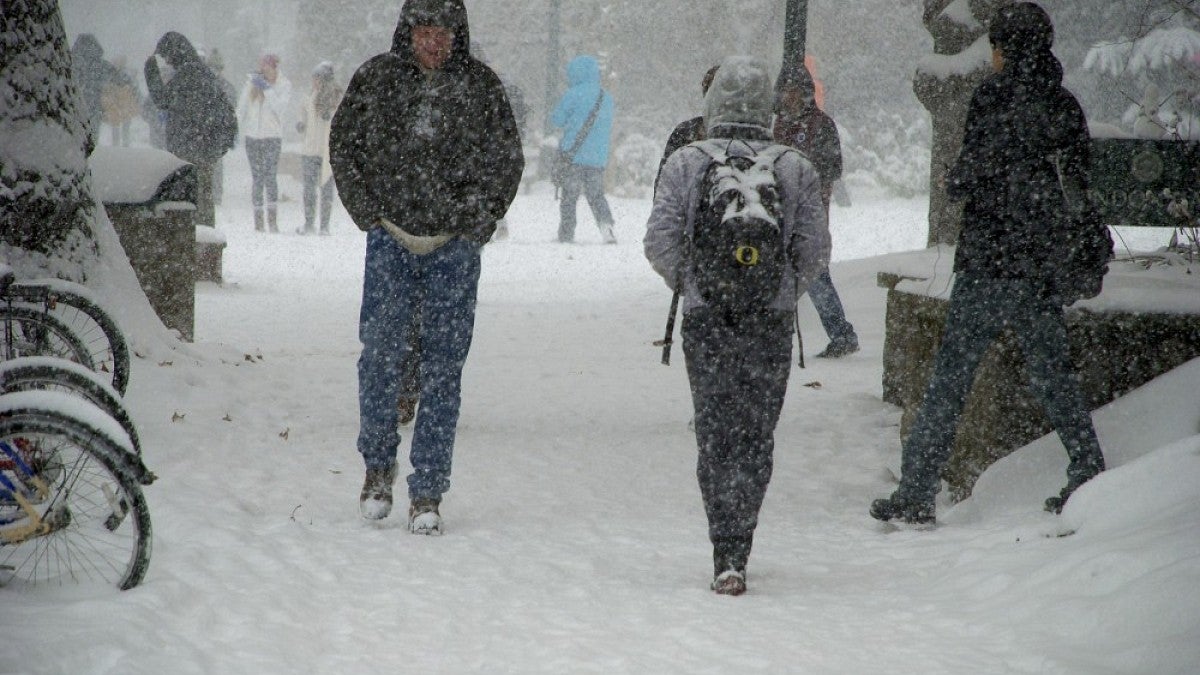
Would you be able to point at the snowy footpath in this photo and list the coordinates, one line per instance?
(575, 537)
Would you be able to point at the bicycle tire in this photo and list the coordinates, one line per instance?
(28, 331)
(102, 531)
(47, 373)
(90, 321)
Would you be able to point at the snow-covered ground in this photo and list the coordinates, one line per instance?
(575, 537)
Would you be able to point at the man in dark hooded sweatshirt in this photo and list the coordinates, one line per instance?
(201, 123)
(1008, 263)
(427, 157)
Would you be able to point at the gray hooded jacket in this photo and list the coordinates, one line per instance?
(738, 116)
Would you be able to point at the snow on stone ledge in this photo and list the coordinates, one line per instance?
(209, 235)
(1137, 282)
(130, 175)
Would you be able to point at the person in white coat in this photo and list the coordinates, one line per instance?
(261, 109)
(314, 122)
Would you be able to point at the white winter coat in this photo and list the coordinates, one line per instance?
(264, 118)
(316, 136)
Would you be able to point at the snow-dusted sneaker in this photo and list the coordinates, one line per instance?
(730, 582)
(375, 502)
(423, 517)
(606, 233)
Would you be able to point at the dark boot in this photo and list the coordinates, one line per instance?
(896, 507)
(1078, 473)
(273, 220)
(258, 221)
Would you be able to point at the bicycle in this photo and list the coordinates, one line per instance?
(47, 373)
(52, 317)
(71, 503)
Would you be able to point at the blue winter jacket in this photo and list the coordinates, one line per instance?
(583, 78)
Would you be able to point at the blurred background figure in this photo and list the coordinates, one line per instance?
(120, 101)
(261, 109)
(216, 63)
(314, 126)
(91, 74)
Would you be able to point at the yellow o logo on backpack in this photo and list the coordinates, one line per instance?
(746, 255)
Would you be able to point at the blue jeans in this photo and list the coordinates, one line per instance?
(590, 181)
(263, 154)
(979, 310)
(441, 288)
(829, 307)
(311, 166)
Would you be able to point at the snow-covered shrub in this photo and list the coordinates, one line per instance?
(634, 165)
(890, 150)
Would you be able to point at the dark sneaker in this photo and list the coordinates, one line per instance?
(839, 348)
(407, 408)
(375, 502)
(730, 582)
(423, 517)
(906, 511)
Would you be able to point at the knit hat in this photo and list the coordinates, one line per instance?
(740, 94)
(324, 70)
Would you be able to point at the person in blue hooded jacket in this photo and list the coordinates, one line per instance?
(586, 173)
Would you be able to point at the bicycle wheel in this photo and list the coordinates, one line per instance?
(48, 373)
(28, 331)
(72, 304)
(96, 522)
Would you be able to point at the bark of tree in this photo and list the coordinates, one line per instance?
(47, 209)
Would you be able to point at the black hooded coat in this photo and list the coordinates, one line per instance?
(1016, 222)
(201, 122)
(437, 155)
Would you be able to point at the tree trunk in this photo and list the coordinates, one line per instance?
(46, 203)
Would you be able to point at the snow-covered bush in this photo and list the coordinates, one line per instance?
(890, 150)
(634, 165)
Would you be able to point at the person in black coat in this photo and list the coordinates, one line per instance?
(427, 157)
(200, 121)
(1023, 129)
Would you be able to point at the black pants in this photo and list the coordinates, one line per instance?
(738, 376)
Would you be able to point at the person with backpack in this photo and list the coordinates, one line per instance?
(261, 109)
(427, 157)
(738, 226)
(802, 124)
(585, 116)
(200, 122)
(1022, 125)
